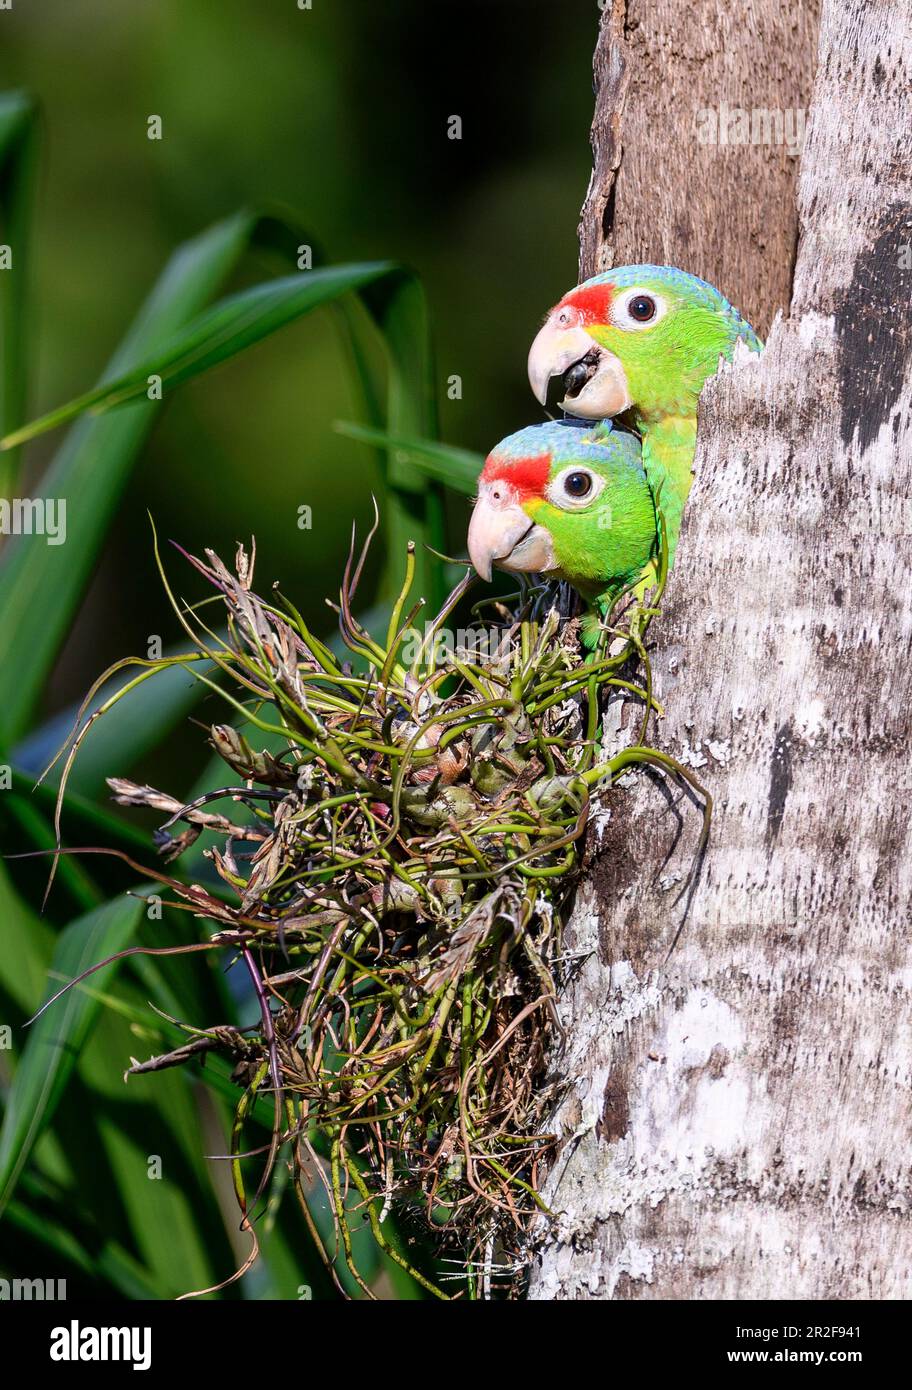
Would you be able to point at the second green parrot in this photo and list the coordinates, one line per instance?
(568, 500)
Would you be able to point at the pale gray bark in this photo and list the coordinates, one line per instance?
(740, 1106)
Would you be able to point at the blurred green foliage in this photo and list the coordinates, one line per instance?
(339, 113)
(334, 118)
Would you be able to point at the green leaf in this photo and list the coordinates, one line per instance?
(39, 832)
(55, 1040)
(211, 338)
(414, 511)
(40, 585)
(25, 946)
(125, 733)
(175, 340)
(18, 148)
(442, 463)
(110, 1264)
(85, 821)
(174, 1220)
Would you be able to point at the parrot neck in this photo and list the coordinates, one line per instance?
(669, 436)
(669, 444)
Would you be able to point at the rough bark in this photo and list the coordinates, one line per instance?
(739, 1112)
(666, 73)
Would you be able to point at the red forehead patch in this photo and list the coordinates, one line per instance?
(527, 475)
(592, 301)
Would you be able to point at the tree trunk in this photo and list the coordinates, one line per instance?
(738, 1115)
(698, 113)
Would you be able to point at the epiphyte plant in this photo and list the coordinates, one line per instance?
(397, 850)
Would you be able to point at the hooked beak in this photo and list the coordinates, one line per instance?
(595, 383)
(501, 533)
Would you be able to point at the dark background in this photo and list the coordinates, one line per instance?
(339, 113)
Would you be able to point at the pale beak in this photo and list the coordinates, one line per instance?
(595, 384)
(500, 533)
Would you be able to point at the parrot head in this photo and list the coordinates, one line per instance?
(642, 338)
(565, 499)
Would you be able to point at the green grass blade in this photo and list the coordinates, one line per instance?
(442, 463)
(25, 948)
(414, 511)
(211, 338)
(40, 585)
(175, 340)
(122, 736)
(174, 1221)
(56, 1039)
(38, 832)
(85, 822)
(18, 159)
(110, 1266)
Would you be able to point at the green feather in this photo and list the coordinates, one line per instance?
(667, 365)
(602, 541)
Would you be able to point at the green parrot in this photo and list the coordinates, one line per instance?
(569, 500)
(640, 341)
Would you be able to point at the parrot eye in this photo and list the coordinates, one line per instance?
(574, 489)
(578, 485)
(637, 309)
